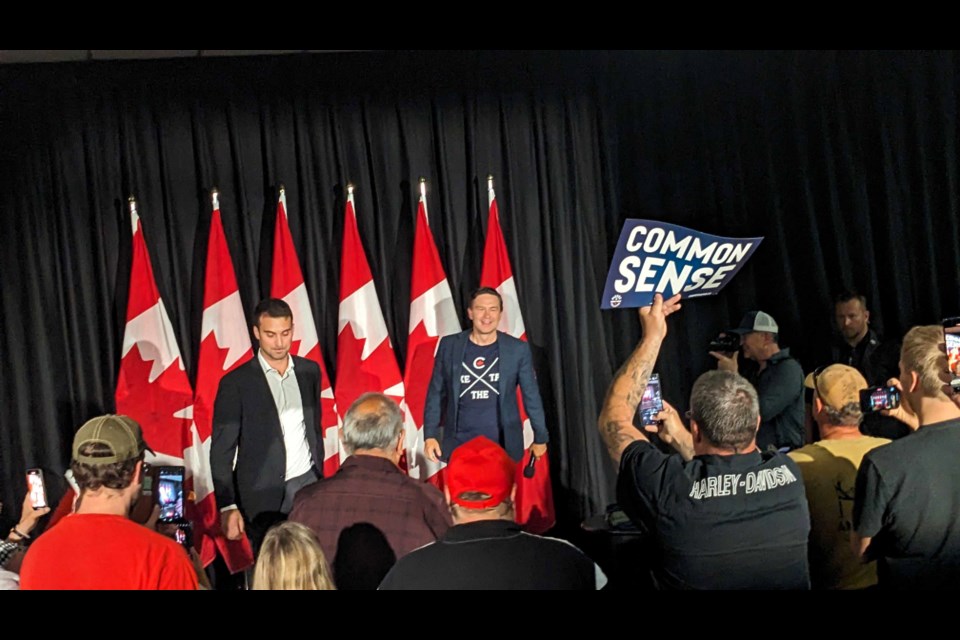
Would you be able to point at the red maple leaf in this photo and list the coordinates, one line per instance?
(153, 404)
(209, 373)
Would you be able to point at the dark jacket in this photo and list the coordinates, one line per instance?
(780, 390)
(245, 415)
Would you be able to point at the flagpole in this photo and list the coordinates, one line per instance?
(423, 196)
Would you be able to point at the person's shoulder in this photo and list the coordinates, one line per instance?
(644, 453)
(778, 458)
(140, 534)
(305, 364)
(509, 339)
(240, 372)
(806, 453)
(426, 488)
(892, 452)
(449, 340)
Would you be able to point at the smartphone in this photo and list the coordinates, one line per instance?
(951, 336)
(183, 534)
(879, 398)
(652, 402)
(38, 492)
(169, 493)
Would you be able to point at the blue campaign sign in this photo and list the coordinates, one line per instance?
(657, 257)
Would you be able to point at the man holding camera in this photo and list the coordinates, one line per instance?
(99, 546)
(907, 501)
(723, 514)
(779, 381)
(829, 468)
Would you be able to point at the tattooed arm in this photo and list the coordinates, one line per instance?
(626, 390)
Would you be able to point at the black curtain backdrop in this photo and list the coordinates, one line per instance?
(846, 162)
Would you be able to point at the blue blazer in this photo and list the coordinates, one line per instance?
(516, 369)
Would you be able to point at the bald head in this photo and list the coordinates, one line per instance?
(373, 422)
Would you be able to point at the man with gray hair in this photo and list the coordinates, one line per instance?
(371, 488)
(721, 514)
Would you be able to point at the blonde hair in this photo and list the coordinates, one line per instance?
(291, 559)
(923, 353)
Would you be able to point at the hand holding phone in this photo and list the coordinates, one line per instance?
(652, 402)
(36, 489)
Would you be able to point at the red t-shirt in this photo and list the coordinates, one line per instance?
(98, 551)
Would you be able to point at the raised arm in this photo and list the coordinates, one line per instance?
(626, 390)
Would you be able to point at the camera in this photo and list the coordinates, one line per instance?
(725, 343)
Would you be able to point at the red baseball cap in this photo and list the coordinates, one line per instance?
(480, 466)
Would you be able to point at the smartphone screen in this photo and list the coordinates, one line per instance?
(38, 493)
(879, 398)
(169, 492)
(951, 336)
(652, 402)
(184, 535)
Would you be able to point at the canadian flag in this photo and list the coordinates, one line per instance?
(224, 345)
(534, 504)
(152, 386)
(286, 283)
(432, 316)
(365, 357)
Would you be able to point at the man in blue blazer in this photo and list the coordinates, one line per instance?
(473, 390)
(266, 444)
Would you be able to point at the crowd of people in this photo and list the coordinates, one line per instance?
(779, 481)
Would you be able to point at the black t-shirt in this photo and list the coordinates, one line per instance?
(479, 393)
(908, 500)
(719, 522)
(494, 554)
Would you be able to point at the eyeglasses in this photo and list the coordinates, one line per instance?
(817, 372)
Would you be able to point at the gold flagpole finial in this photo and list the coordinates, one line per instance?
(349, 188)
(489, 181)
(283, 189)
(423, 187)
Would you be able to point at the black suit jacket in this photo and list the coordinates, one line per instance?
(245, 416)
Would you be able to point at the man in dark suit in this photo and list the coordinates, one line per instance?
(473, 390)
(265, 444)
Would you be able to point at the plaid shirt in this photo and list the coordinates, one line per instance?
(373, 490)
(7, 549)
